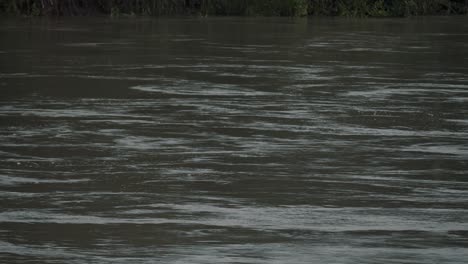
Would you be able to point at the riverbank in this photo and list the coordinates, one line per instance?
(353, 8)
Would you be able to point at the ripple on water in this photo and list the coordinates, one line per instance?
(200, 89)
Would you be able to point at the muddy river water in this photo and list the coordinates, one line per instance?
(234, 140)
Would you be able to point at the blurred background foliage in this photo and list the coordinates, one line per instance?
(354, 8)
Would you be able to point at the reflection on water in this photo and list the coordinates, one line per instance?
(234, 140)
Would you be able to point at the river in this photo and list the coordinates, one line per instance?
(234, 140)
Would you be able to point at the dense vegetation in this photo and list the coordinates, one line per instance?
(373, 8)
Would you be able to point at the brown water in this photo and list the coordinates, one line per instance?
(234, 140)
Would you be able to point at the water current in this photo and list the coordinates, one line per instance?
(234, 140)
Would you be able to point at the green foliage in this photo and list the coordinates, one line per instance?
(354, 8)
(114, 11)
(422, 7)
(255, 7)
(280, 7)
(382, 8)
(360, 8)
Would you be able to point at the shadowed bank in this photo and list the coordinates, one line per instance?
(355, 8)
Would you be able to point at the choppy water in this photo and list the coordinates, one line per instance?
(234, 140)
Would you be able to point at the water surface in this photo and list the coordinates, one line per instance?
(234, 140)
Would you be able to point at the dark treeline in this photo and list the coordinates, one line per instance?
(360, 8)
